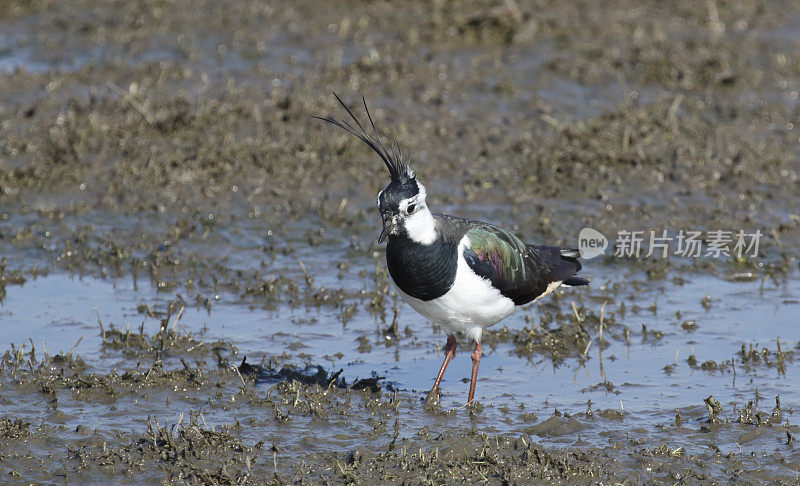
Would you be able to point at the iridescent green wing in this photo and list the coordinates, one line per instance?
(519, 271)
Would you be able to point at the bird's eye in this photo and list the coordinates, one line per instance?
(411, 208)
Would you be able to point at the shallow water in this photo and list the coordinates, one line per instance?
(749, 313)
(158, 167)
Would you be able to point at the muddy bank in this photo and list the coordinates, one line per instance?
(195, 447)
(160, 172)
(191, 453)
(169, 135)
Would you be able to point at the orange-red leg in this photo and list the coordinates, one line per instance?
(476, 361)
(450, 351)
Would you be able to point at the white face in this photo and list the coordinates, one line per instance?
(412, 215)
(413, 205)
(417, 219)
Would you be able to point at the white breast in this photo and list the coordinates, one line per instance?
(469, 306)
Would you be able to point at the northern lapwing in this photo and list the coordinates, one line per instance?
(463, 275)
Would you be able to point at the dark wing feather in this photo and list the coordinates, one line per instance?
(521, 272)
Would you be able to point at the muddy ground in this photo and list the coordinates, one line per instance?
(168, 203)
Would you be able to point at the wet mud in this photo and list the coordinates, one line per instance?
(191, 291)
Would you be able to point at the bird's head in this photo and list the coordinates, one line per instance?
(403, 208)
(402, 202)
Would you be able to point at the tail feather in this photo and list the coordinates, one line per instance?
(575, 282)
(573, 260)
(570, 252)
(571, 256)
(568, 266)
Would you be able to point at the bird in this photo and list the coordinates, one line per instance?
(463, 275)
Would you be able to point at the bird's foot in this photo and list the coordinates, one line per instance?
(432, 399)
(474, 407)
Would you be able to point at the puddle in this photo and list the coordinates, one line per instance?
(509, 385)
(195, 210)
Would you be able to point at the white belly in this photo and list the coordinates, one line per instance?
(469, 306)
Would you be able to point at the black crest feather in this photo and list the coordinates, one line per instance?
(394, 159)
